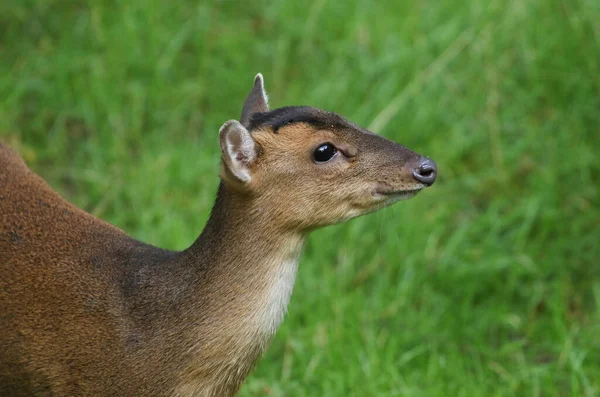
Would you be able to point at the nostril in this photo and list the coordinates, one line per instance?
(425, 172)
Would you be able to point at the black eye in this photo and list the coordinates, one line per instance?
(324, 153)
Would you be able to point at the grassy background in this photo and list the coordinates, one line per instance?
(487, 284)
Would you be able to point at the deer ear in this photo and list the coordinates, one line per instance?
(256, 102)
(238, 151)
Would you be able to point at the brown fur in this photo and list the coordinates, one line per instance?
(86, 310)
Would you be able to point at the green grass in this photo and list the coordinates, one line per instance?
(488, 284)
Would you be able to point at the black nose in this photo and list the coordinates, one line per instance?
(426, 171)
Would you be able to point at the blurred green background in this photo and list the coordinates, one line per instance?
(488, 284)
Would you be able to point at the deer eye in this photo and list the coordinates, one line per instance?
(324, 153)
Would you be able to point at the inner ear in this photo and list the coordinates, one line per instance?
(238, 150)
(257, 101)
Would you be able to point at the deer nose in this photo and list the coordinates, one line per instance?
(426, 171)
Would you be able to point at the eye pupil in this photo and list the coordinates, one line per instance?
(325, 153)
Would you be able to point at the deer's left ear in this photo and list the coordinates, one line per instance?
(238, 151)
(257, 101)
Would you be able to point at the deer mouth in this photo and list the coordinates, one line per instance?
(390, 194)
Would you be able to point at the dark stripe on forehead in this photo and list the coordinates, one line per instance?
(297, 114)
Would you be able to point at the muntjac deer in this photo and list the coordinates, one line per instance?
(86, 310)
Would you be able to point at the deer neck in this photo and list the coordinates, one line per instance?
(249, 265)
(246, 267)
